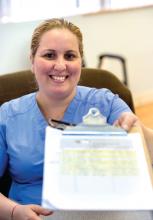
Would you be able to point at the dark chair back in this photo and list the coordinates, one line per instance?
(13, 85)
(100, 78)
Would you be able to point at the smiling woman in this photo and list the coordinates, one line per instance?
(56, 60)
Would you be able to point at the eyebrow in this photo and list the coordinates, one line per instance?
(49, 50)
(71, 51)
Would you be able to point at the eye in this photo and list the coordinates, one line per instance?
(49, 55)
(70, 56)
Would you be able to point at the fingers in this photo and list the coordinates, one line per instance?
(126, 120)
(40, 210)
(32, 212)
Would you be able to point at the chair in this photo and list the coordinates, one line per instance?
(100, 78)
(115, 57)
(16, 84)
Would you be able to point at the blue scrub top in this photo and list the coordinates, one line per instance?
(22, 136)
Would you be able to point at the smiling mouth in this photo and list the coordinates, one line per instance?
(58, 78)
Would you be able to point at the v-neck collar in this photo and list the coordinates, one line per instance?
(68, 116)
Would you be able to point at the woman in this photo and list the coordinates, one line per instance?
(56, 57)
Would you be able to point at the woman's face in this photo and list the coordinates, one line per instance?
(57, 63)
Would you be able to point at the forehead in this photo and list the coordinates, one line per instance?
(58, 36)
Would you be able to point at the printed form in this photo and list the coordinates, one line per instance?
(96, 172)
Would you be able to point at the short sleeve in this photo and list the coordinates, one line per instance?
(3, 145)
(117, 107)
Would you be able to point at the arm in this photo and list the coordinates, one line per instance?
(6, 207)
(10, 210)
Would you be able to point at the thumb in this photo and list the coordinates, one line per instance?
(116, 123)
(40, 210)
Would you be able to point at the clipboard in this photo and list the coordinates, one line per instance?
(96, 171)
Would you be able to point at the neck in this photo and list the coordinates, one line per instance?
(53, 108)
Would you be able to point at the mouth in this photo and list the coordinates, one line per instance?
(58, 78)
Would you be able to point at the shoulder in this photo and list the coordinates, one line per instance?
(18, 106)
(93, 95)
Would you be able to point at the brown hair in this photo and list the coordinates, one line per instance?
(52, 24)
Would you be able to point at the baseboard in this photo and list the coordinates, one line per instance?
(143, 98)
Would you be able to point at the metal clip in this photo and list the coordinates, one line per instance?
(94, 117)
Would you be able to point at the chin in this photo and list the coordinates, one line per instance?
(58, 94)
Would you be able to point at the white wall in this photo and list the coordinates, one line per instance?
(128, 33)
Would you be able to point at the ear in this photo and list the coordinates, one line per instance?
(32, 61)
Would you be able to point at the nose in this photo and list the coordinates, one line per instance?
(60, 64)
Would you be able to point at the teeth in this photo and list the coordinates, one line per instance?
(59, 78)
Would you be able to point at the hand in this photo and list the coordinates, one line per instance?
(126, 120)
(31, 212)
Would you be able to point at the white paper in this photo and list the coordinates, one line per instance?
(84, 172)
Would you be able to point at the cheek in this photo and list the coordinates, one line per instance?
(41, 66)
(76, 69)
